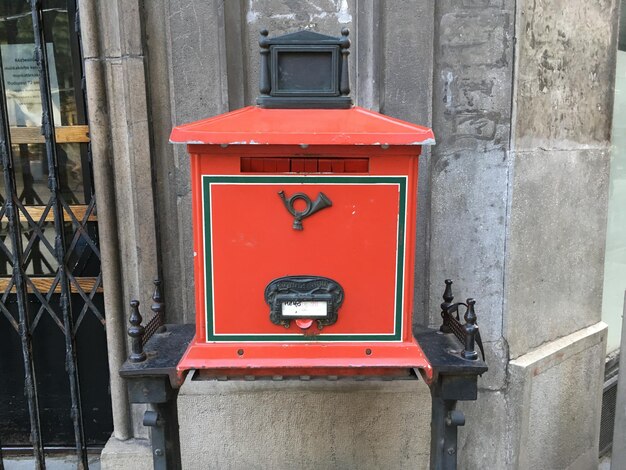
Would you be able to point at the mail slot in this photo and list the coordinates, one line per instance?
(304, 216)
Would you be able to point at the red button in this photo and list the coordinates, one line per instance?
(304, 323)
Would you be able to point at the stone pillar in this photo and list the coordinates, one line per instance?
(472, 86)
(559, 165)
(121, 147)
(99, 131)
(521, 172)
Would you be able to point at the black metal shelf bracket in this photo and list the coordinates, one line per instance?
(456, 367)
(151, 378)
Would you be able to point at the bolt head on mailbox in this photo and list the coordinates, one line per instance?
(304, 213)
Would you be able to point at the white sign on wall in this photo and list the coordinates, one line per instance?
(21, 83)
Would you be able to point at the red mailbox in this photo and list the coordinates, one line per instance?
(304, 230)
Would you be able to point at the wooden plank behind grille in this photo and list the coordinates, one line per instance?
(64, 135)
(37, 211)
(43, 284)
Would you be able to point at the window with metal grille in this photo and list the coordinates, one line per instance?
(54, 369)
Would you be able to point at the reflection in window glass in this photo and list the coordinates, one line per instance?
(31, 173)
(615, 258)
(23, 100)
(63, 63)
(21, 75)
(38, 246)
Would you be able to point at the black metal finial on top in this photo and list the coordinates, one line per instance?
(470, 331)
(135, 331)
(447, 301)
(304, 70)
(264, 71)
(344, 85)
(157, 322)
(157, 299)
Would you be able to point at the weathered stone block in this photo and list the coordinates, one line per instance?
(482, 441)
(342, 424)
(555, 248)
(483, 3)
(554, 403)
(132, 454)
(468, 222)
(198, 63)
(472, 75)
(479, 36)
(407, 74)
(566, 49)
(497, 358)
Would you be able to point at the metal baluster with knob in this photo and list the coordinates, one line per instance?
(136, 331)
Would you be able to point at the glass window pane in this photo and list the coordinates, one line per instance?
(6, 249)
(21, 77)
(615, 257)
(38, 259)
(21, 74)
(63, 63)
(31, 173)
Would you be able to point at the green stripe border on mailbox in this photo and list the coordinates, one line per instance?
(208, 180)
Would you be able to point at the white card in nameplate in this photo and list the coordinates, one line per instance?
(305, 308)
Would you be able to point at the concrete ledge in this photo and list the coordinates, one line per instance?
(557, 351)
(132, 454)
(555, 402)
(313, 424)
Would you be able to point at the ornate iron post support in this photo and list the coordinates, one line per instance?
(151, 378)
(158, 393)
(163, 422)
(445, 419)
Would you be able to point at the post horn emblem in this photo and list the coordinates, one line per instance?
(311, 208)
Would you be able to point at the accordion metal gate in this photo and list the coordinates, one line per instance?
(52, 336)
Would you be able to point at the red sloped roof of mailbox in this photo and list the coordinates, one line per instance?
(255, 125)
